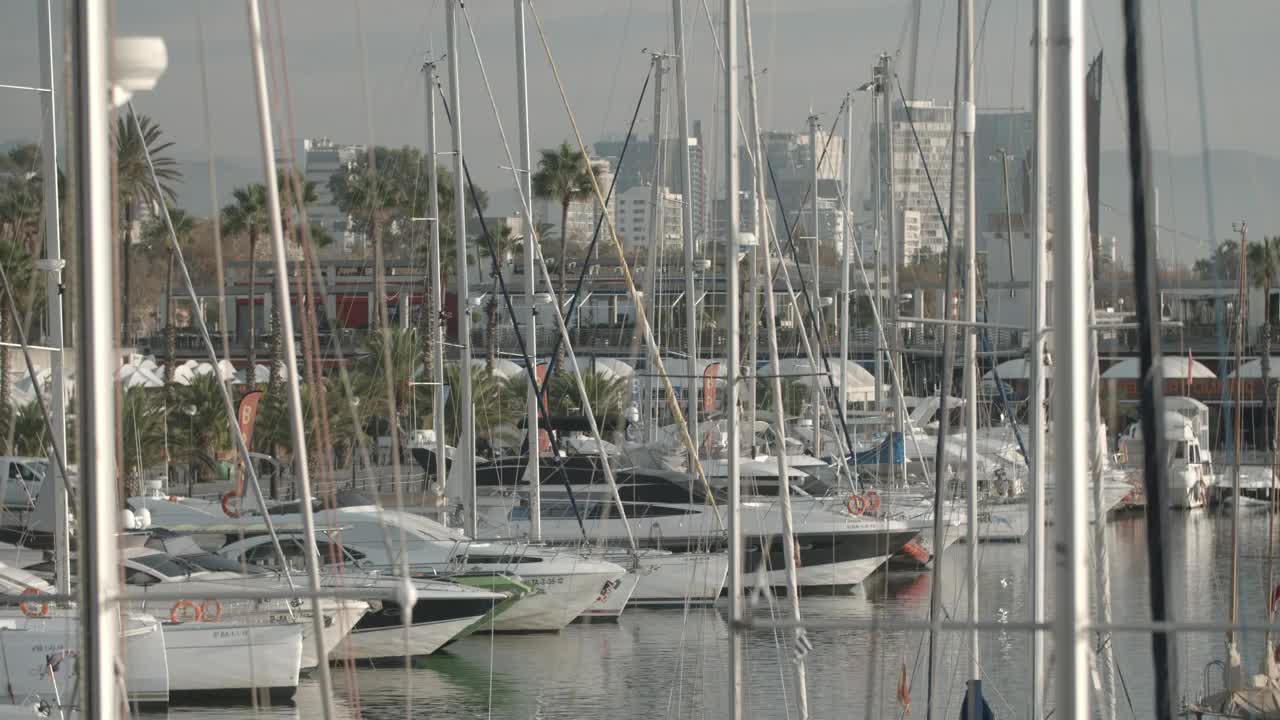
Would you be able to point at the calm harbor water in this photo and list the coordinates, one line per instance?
(666, 664)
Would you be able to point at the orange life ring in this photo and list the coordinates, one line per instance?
(217, 610)
(27, 609)
(227, 498)
(873, 501)
(856, 504)
(195, 609)
(173, 498)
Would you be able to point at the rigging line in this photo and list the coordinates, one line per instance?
(814, 317)
(228, 407)
(529, 368)
(595, 234)
(214, 211)
(946, 231)
(1163, 645)
(642, 320)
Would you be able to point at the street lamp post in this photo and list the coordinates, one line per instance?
(190, 412)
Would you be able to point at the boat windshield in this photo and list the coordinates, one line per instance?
(165, 565)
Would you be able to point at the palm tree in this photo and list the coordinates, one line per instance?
(142, 434)
(156, 241)
(134, 183)
(504, 245)
(609, 395)
(30, 435)
(563, 174)
(370, 373)
(20, 209)
(493, 405)
(209, 437)
(247, 215)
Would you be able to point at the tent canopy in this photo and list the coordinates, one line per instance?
(1171, 368)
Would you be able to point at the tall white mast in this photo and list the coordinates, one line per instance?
(651, 260)
(437, 291)
(815, 276)
(297, 432)
(466, 452)
(787, 540)
(53, 295)
(686, 188)
(877, 97)
(95, 365)
(965, 119)
(730, 110)
(895, 259)
(1036, 533)
(845, 257)
(524, 176)
(1070, 270)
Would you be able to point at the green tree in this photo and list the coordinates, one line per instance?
(199, 407)
(505, 245)
(142, 415)
(247, 215)
(156, 243)
(563, 174)
(19, 269)
(136, 187)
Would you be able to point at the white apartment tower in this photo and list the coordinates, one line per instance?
(920, 226)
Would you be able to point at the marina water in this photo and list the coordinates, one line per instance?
(669, 664)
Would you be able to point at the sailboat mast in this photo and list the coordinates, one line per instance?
(53, 296)
(297, 431)
(788, 539)
(1036, 532)
(525, 179)
(815, 274)
(845, 257)
(686, 218)
(466, 449)
(651, 260)
(965, 120)
(437, 290)
(1238, 413)
(1071, 373)
(95, 364)
(730, 110)
(877, 297)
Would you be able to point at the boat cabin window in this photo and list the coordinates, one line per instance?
(1193, 455)
(138, 578)
(1180, 450)
(217, 563)
(164, 565)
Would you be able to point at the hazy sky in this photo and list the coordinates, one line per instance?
(813, 51)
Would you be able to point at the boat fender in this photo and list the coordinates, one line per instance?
(856, 504)
(178, 607)
(28, 609)
(407, 595)
(226, 499)
(873, 501)
(217, 610)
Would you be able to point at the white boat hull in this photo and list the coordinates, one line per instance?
(847, 572)
(677, 579)
(557, 601)
(216, 662)
(393, 642)
(612, 600)
(28, 644)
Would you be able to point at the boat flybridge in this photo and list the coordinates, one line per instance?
(669, 510)
(569, 582)
(1189, 463)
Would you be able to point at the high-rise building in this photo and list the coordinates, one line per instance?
(324, 159)
(636, 169)
(915, 166)
(634, 215)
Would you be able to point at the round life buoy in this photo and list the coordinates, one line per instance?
(173, 498)
(226, 499)
(873, 501)
(217, 610)
(178, 607)
(28, 609)
(856, 504)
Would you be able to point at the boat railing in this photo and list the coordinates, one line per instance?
(1206, 688)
